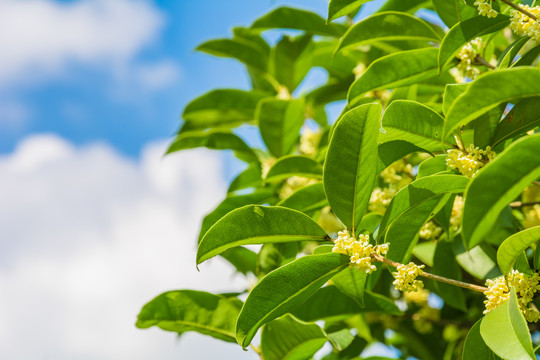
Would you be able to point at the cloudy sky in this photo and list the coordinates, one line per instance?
(94, 222)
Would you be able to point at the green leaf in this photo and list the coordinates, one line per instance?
(255, 224)
(306, 199)
(339, 8)
(453, 11)
(221, 108)
(284, 289)
(352, 283)
(475, 348)
(524, 116)
(291, 60)
(467, 30)
(288, 338)
(475, 261)
(513, 247)
(413, 122)
(408, 67)
(484, 126)
(249, 178)
(243, 260)
(451, 93)
(432, 166)
(280, 122)
(392, 151)
(446, 265)
(402, 5)
(497, 184)
(296, 19)
(505, 331)
(490, 90)
(294, 165)
(350, 168)
(189, 310)
(240, 49)
(528, 58)
(387, 26)
(213, 139)
(510, 52)
(229, 204)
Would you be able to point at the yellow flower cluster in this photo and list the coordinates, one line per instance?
(405, 277)
(532, 216)
(309, 141)
(294, 183)
(430, 231)
(329, 222)
(418, 297)
(381, 198)
(283, 93)
(395, 173)
(360, 251)
(468, 162)
(524, 25)
(457, 212)
(359, 70)
(266, 164)
(467, 55)
(526, 286)
(485, 8)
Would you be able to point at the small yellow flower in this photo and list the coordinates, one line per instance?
(309, 141)
(469, 161)
(524, 25)
(283, 93)
(360, 250)
(497, 293)
(457, 212)
(532, 216)
(485, 9)
(418, 297)
(381, 198)
(294, 183)
(430, 231)
(405, 277)
(397, 172)
(467, 56)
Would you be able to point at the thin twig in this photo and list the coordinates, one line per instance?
(521, 10)
(536, 182)
(484, 62)
(443, 279)
(257, 350)
(518, 204)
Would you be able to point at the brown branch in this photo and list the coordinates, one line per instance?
(443, 279)
(518, 204)
(484, 62)
(521, 10)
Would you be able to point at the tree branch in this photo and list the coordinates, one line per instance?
(518, 8)
(518, 204)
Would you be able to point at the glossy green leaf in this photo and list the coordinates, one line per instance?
(392, 151)
(306, 199)
(243, 260)
(255, 224)
(251, 177)
(280, 122)
(524, 116)
(413, 122)
(467, 30)
(339, 8)
(189, 310)
(432, 166)
(453, 11)
(513, 247)
(409, 6)
(485, 125)
(290, 18)
(387, 26)
(294, 165)
(490, 90)
(510, 52)
(352, 283)
(528, 58)
(291, 60)
(284, 289)
(351, 163)
(505, 331)
(475, 348)
(475, 261)
(215, 140)
(240, 49)
(445, 265)
(271, 256)
(497, 184)
(451, 93)
(408, 67)
(289, 338)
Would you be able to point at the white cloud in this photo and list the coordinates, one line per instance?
(88, 236)
(40, 38)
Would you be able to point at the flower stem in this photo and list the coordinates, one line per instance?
(443, 279)
(518, 204)
(518, 8)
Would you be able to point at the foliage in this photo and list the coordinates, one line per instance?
(427, 182)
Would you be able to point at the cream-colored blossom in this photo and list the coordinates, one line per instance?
(485, 8)
(497, 293)
(457, 212)
(359, 70)
(467, 56)
(283, 93)
(329, 222)
(531, 216)
(430, 231)
(405, 277)
(397, 172)
(381, 198)
(266, 164)
(294, 183)
(418, 297)
(360, 250)
(468, 162)
(309, 141)
(523, 24)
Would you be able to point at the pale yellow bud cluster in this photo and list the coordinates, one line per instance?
(470, 161)
(532, 216)
(294, 183)
(283, 93)
(418, 297)
(360, 250)
(381, 198)
(467, 55)
(309, 141)
(266, 164)
(485, 8)
(525, 286)
(430, 231)
(405, 277)
(397, 173)
(457, 213)
(524, 25)
(359, 70)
